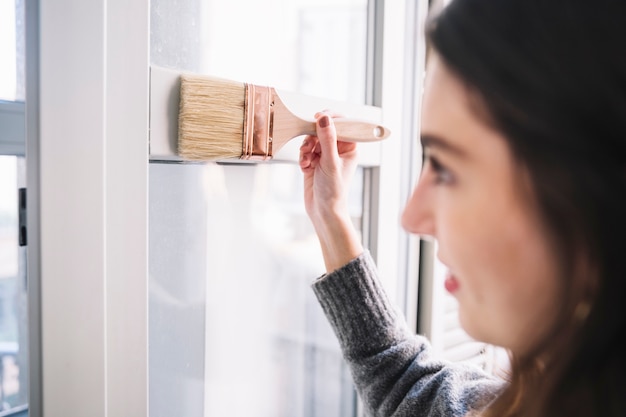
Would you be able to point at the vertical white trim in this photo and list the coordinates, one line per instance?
(389, 204)
(398, 253)
(94, 155)
(415, 48)
(72, 207)
(33, 184)
(127, 207)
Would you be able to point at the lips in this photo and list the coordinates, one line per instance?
(451, 283)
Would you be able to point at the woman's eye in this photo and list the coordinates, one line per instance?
(442, 174)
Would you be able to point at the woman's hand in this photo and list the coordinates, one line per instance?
(328, 167)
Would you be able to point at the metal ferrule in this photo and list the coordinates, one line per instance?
(258, 123)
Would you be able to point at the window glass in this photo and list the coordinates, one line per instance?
(12, 291)
(307, 46)
(234, 326)
(12, 50)
(13, 324)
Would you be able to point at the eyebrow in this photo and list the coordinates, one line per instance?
(432, 141)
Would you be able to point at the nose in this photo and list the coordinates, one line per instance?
(418, 216)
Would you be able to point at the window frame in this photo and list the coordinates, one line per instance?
(88, 193)
(87, 112)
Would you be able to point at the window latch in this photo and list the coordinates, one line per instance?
(22, 216)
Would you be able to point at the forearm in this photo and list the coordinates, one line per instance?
(339, 240)
(328, 166)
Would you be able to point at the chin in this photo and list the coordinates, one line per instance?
(477, 329)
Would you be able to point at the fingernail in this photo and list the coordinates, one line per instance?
(324, 121)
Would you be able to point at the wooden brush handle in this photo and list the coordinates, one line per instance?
(287, 126)
(352, 130)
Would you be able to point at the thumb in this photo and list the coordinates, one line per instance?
(327, 136)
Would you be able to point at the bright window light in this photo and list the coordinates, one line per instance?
(8, 67)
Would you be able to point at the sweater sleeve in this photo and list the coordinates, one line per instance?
(394, 371)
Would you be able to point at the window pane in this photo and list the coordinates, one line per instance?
(307, 46)
(232, 253)
(12, 291)
(232, 257)
(12, 50)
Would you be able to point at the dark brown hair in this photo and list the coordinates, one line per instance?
(551, 76)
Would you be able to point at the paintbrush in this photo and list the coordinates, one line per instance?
(223, 119)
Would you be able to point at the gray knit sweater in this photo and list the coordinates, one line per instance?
(394, 370)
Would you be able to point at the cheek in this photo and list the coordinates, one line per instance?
(488, 236)
(508, 279)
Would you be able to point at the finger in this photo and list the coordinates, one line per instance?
(326, 135)
(308, 144)
(346, 147)
(317, 148)
(314, 162)
(343, 147)
(307, 150)
(305, 161)
(309, 161)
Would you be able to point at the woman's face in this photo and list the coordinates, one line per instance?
(477, 202)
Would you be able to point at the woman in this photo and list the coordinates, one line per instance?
(524, 188)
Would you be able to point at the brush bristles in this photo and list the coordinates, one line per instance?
(211, 117)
